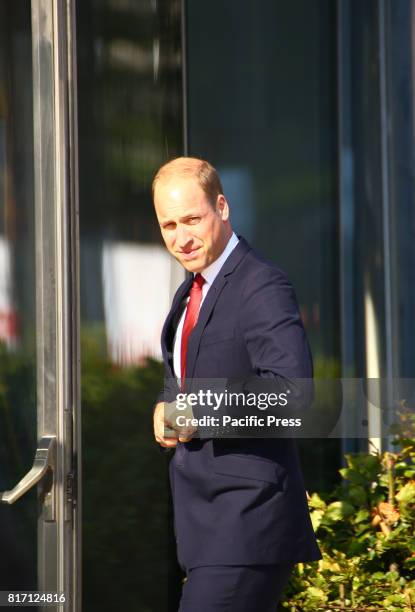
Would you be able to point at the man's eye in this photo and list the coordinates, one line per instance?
(169, 226)
(194, 220)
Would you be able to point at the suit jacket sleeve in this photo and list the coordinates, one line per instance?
(270, 323)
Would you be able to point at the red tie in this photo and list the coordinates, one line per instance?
(190, 320)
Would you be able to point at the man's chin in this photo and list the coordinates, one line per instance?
(193, 266)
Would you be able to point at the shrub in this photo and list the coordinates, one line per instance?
(365, 530)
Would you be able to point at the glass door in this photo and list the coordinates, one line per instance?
(39, 509)
(130, 100)
(17, 296)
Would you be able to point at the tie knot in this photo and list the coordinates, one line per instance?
(198, 281)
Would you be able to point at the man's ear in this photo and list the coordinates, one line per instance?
(222, 207)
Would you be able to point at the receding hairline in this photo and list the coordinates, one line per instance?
(190, 168)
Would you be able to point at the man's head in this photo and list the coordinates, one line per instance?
(192, 211)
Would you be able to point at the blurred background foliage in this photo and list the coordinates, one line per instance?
(18, 523)
(127, 523)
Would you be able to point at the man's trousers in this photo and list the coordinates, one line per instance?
(230, 588)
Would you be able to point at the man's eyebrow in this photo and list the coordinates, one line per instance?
(189, 216)
(184, 218)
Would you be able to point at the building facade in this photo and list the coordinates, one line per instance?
(307, 111)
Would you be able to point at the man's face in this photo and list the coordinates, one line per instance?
(195, 232)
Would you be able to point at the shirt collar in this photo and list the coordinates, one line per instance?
(211, 272)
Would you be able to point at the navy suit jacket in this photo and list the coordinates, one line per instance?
(241, 500)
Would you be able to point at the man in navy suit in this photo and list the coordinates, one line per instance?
(240, 508)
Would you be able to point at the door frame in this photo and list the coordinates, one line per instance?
(57, 294)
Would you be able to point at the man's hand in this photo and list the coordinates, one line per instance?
(164, 423)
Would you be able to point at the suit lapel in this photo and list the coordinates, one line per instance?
(209, 303)
(178, 299)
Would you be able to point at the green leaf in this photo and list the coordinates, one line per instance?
(316, 502)
(410, 563)
(353, 476)
(357, 495)
(378, 576)
(338, 510)
(361, 515)
(316, 593)
(407, 494)
(316, 518)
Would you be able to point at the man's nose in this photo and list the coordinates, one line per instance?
(183, 236)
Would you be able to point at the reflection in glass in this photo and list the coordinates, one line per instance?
(269, 129)
(18, 523)
(377, 190)
(400, 78)
(130, 122)
(135, 311)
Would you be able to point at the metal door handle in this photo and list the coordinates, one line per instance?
(44, 461)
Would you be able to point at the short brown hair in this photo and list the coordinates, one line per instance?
(192, 167)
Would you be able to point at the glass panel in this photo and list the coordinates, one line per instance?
(400, 84)
(130, 121)
(18, 523)
(262, 109)
(377, 153)
(362, 196)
